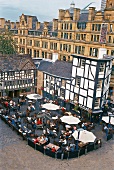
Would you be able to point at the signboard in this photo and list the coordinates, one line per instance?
(103, 33)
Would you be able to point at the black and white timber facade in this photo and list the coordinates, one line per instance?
(17, 73)
(90, 82)
(84, 81)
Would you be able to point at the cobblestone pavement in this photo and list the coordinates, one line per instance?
(15, 154)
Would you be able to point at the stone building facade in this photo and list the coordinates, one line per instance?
(74, 32)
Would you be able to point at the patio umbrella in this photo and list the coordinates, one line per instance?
(71, 120)
(108, 119)
(34, 96)
(50, 106)
(84, 136)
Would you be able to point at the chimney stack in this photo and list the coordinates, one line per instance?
(76, 14)
(91, 13)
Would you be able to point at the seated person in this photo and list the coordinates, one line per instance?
(36, 140)
(53, 149)
(64, 142)
(39, 122)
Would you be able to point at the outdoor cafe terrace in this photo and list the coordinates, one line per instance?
(50, 129)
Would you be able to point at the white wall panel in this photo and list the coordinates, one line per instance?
(83, 92)
(86, 71)
(94, 63)
(85, 102)
(73, 82)
(67, 92)
(58, 92)
(82, 82)
(45, 76)
(101, 76)
(75, 61)
(89, 102)
(71, 88)
(68, 86)
(71, 96)
(86, 84)
(76, 89)
(58, 83)
(90, 92)
(93, 69)
(44, 83)
(73, 71)
(98, 93)
(80, 72)
(87, 61)
(91, 84)
(81, 100)
(90, 75)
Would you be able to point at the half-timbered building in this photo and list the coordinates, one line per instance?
(84, 81)
(17, 74)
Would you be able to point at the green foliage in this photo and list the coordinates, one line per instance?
(76, 107)
(7, 44)
(7, 92)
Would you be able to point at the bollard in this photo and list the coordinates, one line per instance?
(62, 155)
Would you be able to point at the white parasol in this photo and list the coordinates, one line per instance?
(84, 136)
(71, 120)
(34, 96)
(107, 119)
(50, 106)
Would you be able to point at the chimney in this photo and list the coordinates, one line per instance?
(17, 25)
(12, 25)
(2, 22)
(61, 14)
(46, 24)
(37, 25)
(54, 57)
(102, 52)
(76, 14)
(91, 13)
(30, 22)
(55, 24)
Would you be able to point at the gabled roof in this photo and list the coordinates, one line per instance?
(57, 68)
(16, 63)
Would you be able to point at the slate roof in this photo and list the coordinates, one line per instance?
(43, 65)
(83, 17)
(14, 62)
(57, 68)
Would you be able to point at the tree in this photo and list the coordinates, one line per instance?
(7, 44)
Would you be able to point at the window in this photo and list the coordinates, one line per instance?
(97, 102)
(63, 83)
(37, 43)
(20, 41)
(111, 30)
(109, 39)
(23, 41)
(62, 93)
(112, 52)
(70, 26)
(99, 84)
(30, 43)
(22, 22)
(93, 52)
(82, 62)
(70, 36)
(78, 79)
(101, 68)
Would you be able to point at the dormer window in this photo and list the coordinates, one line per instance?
(22, 22)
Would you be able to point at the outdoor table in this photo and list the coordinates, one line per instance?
(41, 142)
(81, 144)
(50, 146)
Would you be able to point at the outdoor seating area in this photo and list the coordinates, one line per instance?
(49, 129)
